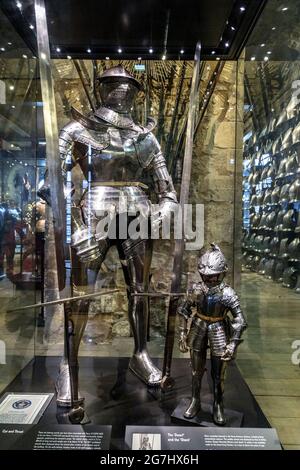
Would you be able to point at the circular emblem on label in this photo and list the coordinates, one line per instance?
(21, 404)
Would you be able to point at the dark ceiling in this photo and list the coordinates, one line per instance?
(96, 29)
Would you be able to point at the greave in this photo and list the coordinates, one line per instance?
(67, 381)
(218, 368)
(198, 359)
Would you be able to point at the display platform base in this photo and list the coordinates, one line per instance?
(234, 419)
(115, 396)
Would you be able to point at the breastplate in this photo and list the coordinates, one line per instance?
(210, 305)
(110, 156)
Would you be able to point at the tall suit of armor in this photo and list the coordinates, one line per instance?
(206, 306)
(118, 159)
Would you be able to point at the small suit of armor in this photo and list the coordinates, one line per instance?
(207, 305)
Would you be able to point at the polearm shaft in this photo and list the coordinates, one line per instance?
(63, 301)
(167, 381)
(159, 294)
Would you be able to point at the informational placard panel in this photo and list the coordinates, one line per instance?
(54, 437)
(23, 408)
(198, 438)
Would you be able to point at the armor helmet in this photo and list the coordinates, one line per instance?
(275, 195)
(269, 268)
(276, 146)
(284, 193)
(289, 277)
(268, 146)
(264, 173)
(271, 125)
(118, 89)
(263, 132)
(256, 177)
(294, 250)
(294, 191)
(282, 118)
(272, 171)
(296, 134)
(278, 271)
(287, 139)
(267, 197)
(292, 164)
(212, 266)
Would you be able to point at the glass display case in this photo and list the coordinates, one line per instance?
(91, 138)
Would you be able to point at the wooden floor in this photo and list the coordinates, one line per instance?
(265, 357)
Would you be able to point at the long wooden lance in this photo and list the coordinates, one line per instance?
(167, 381)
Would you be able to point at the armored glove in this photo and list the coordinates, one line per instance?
(229, 351)
(182, 341)
(162, 211)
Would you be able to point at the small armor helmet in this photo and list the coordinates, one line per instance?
(118, 89)
(212, 266)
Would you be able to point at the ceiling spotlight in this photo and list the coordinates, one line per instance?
(139, 58)
(274, 27)
(9, 43)
(213, 52)
(69, 57)
(58, 49)
(163, 57)
(120, 50)
(2, 49)
(24, 56)
(262, 45)
(242, 8)
(266, 58)
(232, 28)
(181, 51)
(19, 5)
(11, 87)
(284, 8)
(252, 58)
(31, 26)
(150, 50)
(269, 52)
(89, 50)
(226, 44)
(106, 58)
(217, 58)
(13, 106)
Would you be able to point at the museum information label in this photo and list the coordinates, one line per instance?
(23, 408)
(55, 437)
(200, 438)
